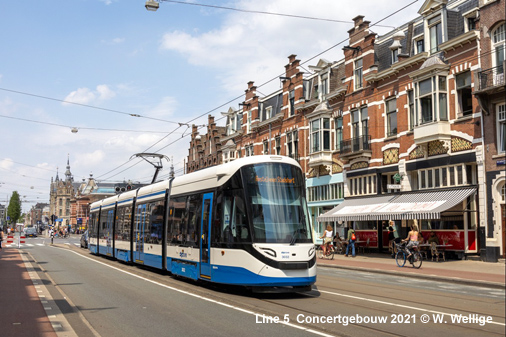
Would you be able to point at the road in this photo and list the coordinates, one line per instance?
(100, 297)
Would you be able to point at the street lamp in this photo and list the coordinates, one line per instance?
(152, 5)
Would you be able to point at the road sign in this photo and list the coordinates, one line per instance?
(393, 186)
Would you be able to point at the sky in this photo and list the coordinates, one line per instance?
(130, 80)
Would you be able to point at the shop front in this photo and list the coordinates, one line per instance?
(450, 213)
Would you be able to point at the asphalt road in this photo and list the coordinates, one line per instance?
(100, 297)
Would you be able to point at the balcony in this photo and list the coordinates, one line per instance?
(491, 80)
(428, 132)
(318, 158)
(356, 147)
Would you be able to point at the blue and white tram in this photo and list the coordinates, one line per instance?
(242, 223)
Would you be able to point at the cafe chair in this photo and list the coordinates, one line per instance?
(366, 246)
(436, 253)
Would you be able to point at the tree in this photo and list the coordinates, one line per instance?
(14, 209)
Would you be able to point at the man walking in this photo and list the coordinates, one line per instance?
(351, 241)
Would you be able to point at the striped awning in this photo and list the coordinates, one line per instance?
(405, 206)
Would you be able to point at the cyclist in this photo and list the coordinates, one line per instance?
(327, 239)
(412, 239)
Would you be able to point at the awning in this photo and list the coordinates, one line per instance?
(404, 206)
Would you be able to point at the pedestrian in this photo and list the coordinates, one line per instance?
(327, 239)
(1, 238)
(351, 241)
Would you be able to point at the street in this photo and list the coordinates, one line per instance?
(101, 297)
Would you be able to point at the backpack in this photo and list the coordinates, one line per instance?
(353, 237)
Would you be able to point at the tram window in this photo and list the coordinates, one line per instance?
(194, 214)
(155, 226)
(178, 220)
(103, 224)
(234, 224)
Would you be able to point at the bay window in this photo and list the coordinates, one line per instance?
(320, 135)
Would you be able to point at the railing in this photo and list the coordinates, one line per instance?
(493, 77)
(362, 143)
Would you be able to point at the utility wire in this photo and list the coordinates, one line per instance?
(87, 105)
(261, 12)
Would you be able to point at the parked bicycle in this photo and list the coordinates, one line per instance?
(329, 254)
(402, 255)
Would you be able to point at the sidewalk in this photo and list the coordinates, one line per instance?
(21, 310)
(456, 271)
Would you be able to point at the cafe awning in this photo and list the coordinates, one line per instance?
(403, 206)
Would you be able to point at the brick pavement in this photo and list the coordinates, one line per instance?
(21, 311)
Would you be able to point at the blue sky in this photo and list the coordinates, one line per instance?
(115, 58)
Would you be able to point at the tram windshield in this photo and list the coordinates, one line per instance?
(275, 196)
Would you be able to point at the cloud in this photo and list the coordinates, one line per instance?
(255, 47)
(87, 96)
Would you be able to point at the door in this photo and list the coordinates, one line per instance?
(140, 215)
(108, 232)
(205, 242)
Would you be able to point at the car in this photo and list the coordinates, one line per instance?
(84, 240)
(30, 231)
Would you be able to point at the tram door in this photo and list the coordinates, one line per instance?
(108, 232)
(205, 242)
(140, 218)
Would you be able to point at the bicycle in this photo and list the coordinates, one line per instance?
(329, 254)
(415, 259)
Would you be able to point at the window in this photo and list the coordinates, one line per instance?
(358, 74)
(365, 122)
(292, 102)
(266, 147)
(267, 113)
(248, 123)
(339, 132)
(325, 192)
(435, 33)
(419, 45)
(501, 128)
(248, 149)
(278, 145)
(498, 46)
(320, 135)
(427, 91)
(292, 144)
(395, 54)
(411, 110)
(464, 95)
(446, 176)
(363, 185)
(324, 86)
(391, 109)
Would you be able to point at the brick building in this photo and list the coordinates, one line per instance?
(489, 89)
(393, 131)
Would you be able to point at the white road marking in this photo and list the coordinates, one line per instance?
(202, 297)
(395, 304)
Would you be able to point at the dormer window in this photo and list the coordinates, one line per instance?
(470, 19)
(395, 55)
(435, 33)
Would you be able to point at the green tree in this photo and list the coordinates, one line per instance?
(14, 209)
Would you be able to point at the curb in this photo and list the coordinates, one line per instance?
(454, 280)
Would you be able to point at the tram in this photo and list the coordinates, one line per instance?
(241, 223)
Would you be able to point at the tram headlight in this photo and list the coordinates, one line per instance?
(310, 252)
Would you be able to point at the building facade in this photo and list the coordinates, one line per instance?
(397, 126)
(489, 89)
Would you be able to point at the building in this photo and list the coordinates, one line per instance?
(36, 214)
(489, 90)
(394, 130)
(205, 150)
(60, 195)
